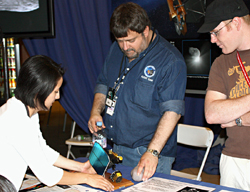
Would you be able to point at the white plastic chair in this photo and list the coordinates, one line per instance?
(73, 141)
(194, 136)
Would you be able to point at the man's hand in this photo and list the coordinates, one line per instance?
(94, 118)
(149, 163)
(229, 124)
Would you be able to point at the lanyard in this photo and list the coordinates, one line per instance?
(243, 69)
(116, 84)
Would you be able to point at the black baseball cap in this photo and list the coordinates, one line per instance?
(222, 10)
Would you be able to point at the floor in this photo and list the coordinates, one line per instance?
(55, 136)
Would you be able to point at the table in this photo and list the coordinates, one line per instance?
(125, 170)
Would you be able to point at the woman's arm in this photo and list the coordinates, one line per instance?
(72, 165)
(85, 173)
(94, 180)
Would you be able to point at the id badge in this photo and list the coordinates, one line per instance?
(111, 108)
(110, 97)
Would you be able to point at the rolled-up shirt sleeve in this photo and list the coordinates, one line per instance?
(172, 88)
(101, 88)
(177, 106)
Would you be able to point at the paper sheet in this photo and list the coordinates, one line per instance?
(31, 182)
(156, 184)
(70, 188)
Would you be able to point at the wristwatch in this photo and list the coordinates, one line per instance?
(238, 121)
(153, 152)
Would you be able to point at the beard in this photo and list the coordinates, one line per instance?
(132, 54)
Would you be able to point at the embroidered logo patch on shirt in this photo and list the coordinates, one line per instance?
(149, 71)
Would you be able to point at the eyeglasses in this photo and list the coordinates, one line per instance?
(215, 33)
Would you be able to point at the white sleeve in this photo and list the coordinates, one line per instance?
(39, 157)
(50, 153)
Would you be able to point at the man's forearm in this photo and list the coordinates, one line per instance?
(164, 130)
(220, 110)
(245, 121)
(97, 109)
(98, 104)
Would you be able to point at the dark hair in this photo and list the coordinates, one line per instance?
(128, 16)
(6, 185)
(38, 77)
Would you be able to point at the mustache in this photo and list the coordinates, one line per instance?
(126, 51)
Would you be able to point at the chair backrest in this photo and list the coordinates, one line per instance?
(198, 137)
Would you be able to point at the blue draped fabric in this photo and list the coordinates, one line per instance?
(81, 44)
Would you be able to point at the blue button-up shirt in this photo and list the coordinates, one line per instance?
(155, 84)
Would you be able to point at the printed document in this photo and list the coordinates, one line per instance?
(156, 184)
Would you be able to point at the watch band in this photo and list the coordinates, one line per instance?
(238, 122)
(153, 152)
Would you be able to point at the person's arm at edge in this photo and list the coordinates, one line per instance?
(220, 110)
(245, 121)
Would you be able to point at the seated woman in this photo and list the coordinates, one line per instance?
(21, 141)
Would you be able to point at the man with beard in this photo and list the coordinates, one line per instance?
(141, 91)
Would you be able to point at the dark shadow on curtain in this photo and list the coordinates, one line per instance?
(81, 44)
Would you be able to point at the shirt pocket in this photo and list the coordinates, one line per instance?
(143, 94)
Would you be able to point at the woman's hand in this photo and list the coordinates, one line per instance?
(87, 168)
(93, 180)
(99, 181)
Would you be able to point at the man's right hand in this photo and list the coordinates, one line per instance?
(94, 118)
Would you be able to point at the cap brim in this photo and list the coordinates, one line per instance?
(207, 27)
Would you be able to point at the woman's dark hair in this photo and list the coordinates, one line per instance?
(6, 185)
(37, 78)
(128, 16)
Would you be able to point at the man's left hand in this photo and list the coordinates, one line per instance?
(149, 163)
